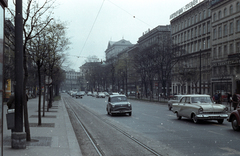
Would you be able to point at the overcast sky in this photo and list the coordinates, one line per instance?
(93, 23)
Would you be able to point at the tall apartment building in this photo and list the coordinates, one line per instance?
(191, 31)
(226, 45)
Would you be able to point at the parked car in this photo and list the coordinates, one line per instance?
(89, 94)
(106, 93)
(234, 118)
(94, 94)
(101, 95)
(73, 93)
(118, 104)
(199, 107)
(80, 94)
(174, 99)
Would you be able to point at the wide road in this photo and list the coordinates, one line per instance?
(157, 127)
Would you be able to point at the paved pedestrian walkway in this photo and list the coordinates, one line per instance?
(55, 137)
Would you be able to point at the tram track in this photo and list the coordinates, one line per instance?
(69, 102)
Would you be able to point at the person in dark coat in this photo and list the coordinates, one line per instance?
(229, 98)
(11, 102)
(235, 101)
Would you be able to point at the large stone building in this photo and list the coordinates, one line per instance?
(225, 45)
(114, 48)
(191, 31)
(209, 33)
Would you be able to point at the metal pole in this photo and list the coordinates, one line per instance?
(200, 75)
(18, 136)
(19, 67)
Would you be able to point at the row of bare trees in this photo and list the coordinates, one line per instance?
(142, 66)
(44, 46)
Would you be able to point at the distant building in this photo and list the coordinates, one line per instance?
(72, 81)
(114, 48)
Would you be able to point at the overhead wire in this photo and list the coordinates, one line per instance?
(92, 27)
(129, 13)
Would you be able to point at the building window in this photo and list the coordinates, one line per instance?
(200, 45)
(196, 46)
(225, 12)
(204, 29)
(231, 28)
(238, 25)
(188, 34)
(204, 14)
(208, 27)
(192, 47)
(225, 30)
(192, 20)
(230, 9)
(200, 16)
(208, 43)
(214, 53)
(238, 6)
(189, 22)
(214, 17)
(219, 15)
(220, 31)
(192, 33)
(238, 47)
(220, 52)
(196, 18)
(225, 50)
(214, 34)
(196, 32)
(231, 48)
(199, 29)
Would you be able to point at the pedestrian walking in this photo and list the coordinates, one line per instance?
(235, 101)
(229, 98)
(216, 98)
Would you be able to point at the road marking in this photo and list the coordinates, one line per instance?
(215, 133)
(230, 151)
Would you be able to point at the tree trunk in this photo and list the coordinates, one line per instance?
(44, 93)
(26, 121)
(39, 99)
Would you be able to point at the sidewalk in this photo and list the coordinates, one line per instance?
(55, 137)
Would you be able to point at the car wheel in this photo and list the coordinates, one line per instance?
(195, 120)
(220, 121)
(178, 117)
(235, 124)
(170, 108)
(130, 114)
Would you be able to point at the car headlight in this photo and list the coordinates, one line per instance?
(225, 109)
(129, 105)
(200, 110)
(113, 106)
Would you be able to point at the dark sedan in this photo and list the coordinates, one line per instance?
(118, 104)
(80, 94)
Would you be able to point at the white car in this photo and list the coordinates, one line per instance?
(174, 99)
(199, 107)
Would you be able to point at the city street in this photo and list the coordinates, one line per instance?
(153, 125)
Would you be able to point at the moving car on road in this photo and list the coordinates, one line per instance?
(199, 107)
(234, 118)
(101, 95)
(80, 94)
(118, 104)
(174, 99)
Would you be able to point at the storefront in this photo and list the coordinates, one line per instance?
(3, 4)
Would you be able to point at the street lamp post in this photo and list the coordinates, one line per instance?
(200, 74)
(18, 136)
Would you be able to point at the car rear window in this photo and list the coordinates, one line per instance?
(118, 99)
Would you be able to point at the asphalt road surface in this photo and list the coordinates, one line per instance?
(152, 125)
